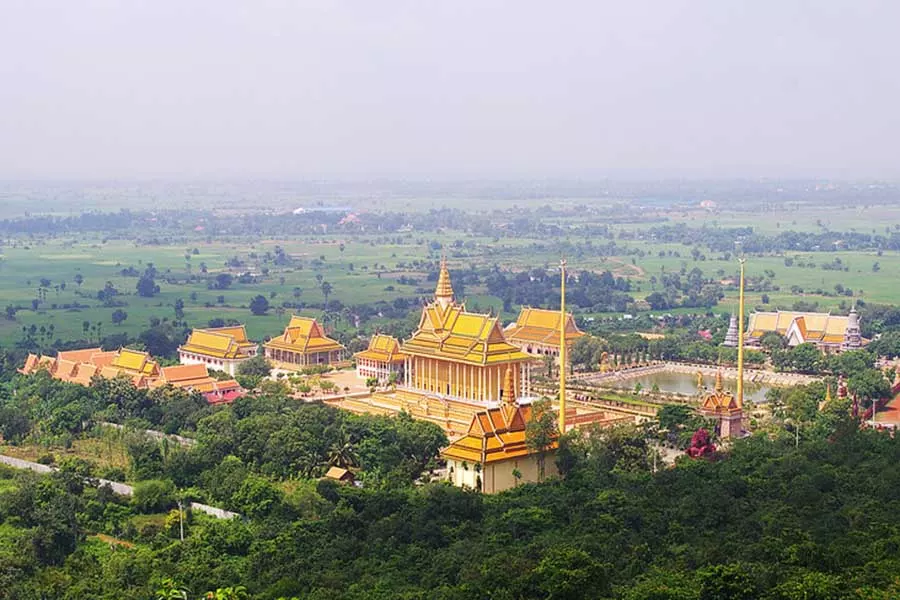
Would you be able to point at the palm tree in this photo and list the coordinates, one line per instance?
(342, 453)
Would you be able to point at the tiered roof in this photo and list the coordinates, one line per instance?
(196, 378)
(80, 366)
(454, 334)
(220, 342)
(494, 435)
(383, 348)
(304, 335)
(813, 327)
(538, 325)
(719, 400)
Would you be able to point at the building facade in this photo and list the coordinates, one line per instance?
(381, 360)
(219, 348)
(303, 344)
(830, 333)
(493, 455)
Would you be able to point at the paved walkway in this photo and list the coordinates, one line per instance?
(120, 488)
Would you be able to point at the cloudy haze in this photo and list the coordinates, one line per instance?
(448, 89)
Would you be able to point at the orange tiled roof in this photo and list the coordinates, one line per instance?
(813, 326)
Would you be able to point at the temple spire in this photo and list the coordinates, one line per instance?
(443, 293)
(719, 385)
(509, 386)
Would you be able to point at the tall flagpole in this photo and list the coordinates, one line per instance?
(740, 357)
(562, 347)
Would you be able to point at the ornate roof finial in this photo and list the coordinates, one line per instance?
(719, 386)
(509, 386)
(828, 393)
(443, 293)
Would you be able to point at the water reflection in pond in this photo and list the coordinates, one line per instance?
(684, 383)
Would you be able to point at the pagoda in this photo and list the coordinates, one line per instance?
(461, 355)
(852, 335)
(723, 406)
(731, 338)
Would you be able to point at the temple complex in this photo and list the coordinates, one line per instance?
(381, 360)
(303, 344)
(830, 333)
(537, 332)
(725, 408)
(493, 455)
(220, 348)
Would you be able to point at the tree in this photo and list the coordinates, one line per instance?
(869, 385)
(540, 432)
(146, 286)
(179, 309)
(259, 305)
(257, 366)
(153, 495)
(772, 341)
(79, 279)
(326, 290)
(118, 316)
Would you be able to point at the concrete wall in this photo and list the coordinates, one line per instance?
(498, 476)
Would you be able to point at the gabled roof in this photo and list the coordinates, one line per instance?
(538, 325)
(812, 326)
(135, 362)
(304, 335)
(454, 334)
(383, 348)
(220, 342)
(79, 356)
(494, 434)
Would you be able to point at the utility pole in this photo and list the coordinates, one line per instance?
(562, 347)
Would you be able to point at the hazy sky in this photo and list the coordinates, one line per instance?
(334, 88)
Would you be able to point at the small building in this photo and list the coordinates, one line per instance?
(340, 474)
(196, 378)
(536, 332)
(220, 348)
(303, 344)
(493, 455)
(727, 410)
(381, 359)
(830, 333)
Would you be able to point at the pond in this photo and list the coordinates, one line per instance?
(685, 383)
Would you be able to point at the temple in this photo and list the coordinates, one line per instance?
(220, 348)
(457, 354)
(303, 344)
(537, 332)
(725, 408)
(493, 455)
(382, 360)
(830, 333)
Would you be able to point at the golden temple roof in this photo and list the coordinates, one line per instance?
(538, 325)
(494, 434)
(220, 342)
(304, 335)
(720, 400)
(135, 362)
(822, 327)
(452, 333)
(383, 348)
